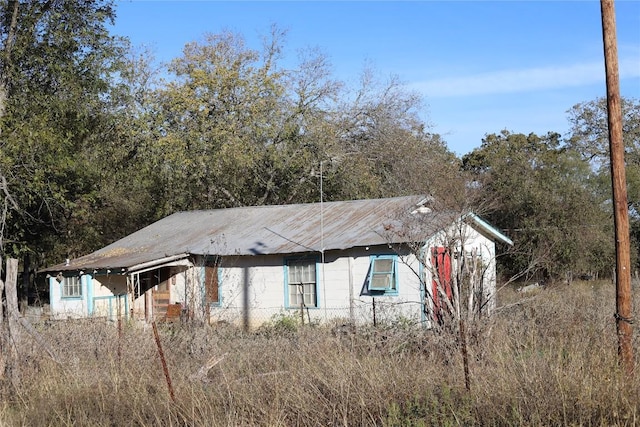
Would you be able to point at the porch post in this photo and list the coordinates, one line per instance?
(86, 281)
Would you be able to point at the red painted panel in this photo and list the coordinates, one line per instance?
(441, 262)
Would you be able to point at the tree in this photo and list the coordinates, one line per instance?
(589, 136)
(237, 128)
(231, 132)
(126, 186)
(104, 147)
(56, 64)
(386, 148)
(544, 196)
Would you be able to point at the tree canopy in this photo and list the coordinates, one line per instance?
(589, 137)
(56, 63)
(237, 128)
(95, 144)
(541, 193)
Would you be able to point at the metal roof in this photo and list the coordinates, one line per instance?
(488, 229)
(264, 230)
(255, 230)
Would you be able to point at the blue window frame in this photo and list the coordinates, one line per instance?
(383, 274)
(301, 283)
(71, 287)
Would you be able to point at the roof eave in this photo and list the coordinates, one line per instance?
(156, 262)
(489, 229)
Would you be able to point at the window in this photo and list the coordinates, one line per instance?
(71, 287)
(302, 283)
(383, 276)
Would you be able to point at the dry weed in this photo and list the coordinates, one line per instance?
(549, 359)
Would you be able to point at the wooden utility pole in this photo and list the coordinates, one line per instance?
(619, 186)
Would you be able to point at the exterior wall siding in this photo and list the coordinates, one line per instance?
(464, 237)
(69, 307)
(258, 283)
(109, 296)
(342, 294)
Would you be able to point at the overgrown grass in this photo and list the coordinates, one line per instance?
(544, 359)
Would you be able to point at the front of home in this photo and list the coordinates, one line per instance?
(362, 261)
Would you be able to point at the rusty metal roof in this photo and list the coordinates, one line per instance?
(281, 229)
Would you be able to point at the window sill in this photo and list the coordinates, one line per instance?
(380, 293)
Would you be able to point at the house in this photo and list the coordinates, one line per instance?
(357, 261)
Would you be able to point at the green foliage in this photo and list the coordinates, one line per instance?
(230, 135)
(239, 129)
(589, 136)
(283, 323)
(553, 196)
(543, 195)
(95, 146)
(56, 61)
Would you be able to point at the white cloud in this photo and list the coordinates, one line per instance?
(524, 80)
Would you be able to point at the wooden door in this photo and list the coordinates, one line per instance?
(441, 274)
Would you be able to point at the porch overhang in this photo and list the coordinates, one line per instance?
(170, 261)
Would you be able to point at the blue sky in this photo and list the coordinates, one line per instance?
(482, 66)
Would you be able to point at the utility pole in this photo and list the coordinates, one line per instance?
(619, 187)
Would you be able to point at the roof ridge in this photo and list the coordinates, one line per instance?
(290, 205)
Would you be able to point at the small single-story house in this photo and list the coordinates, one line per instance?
(350, 261)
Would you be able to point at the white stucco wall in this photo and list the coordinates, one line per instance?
(464, 238)
(110, 296)
(98, 297)
(341, 291)
(69, 307)
(258, 282)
